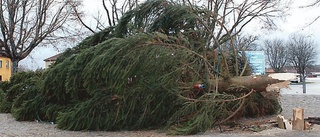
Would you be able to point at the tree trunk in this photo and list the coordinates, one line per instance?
(304, 87)
(301, 77)
(15, 64)
(258, 83)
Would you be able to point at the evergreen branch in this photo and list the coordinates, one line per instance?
(235, 112)
(217, 100)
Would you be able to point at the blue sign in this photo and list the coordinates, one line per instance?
(257, 61)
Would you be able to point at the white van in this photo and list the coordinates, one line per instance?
(296, 79)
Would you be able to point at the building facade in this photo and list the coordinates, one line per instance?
(51, 60)
(5, 68)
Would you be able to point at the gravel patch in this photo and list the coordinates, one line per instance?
(310, 104)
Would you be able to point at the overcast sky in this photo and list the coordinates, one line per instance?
(297, 22)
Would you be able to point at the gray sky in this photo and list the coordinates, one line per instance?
(297, 22)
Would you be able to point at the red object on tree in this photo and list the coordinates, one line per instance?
(198, 86)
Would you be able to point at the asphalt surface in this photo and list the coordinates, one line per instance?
(312, 88)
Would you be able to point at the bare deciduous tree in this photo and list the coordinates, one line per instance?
(113, 9)
(247, 43)
(313, 3)
(242, 43)
(276, 52)
(27, 23)
(229, 18)
(301, 53)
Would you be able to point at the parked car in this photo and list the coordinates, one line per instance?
(296, 79)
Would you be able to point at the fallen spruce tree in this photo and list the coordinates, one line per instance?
(122, 79)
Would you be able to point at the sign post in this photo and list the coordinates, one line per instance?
(257, 61)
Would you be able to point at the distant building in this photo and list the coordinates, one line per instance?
(311, 71)
(314, 74)
(5, 68)
(51, 60)
(269, 71)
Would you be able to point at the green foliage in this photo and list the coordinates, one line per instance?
(55, 80)
(166, 17)
(144, 98)
(197, 116)
(25, 87)
(5, 105)
(137, 75)
(260, 105)
(90, 41)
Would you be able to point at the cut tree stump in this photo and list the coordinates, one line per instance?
(298, 119)
(287, 124)
(280, 120)
(283, 123)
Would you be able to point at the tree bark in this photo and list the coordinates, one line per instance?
(304, 87)
(15, 64)
(258, 83)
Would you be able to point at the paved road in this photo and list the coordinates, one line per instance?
(312, 88)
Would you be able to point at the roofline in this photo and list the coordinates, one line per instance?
(53, 58)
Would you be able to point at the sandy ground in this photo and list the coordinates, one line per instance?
(290, 99)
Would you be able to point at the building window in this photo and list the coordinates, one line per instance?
(7, 64)
(0, 63)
